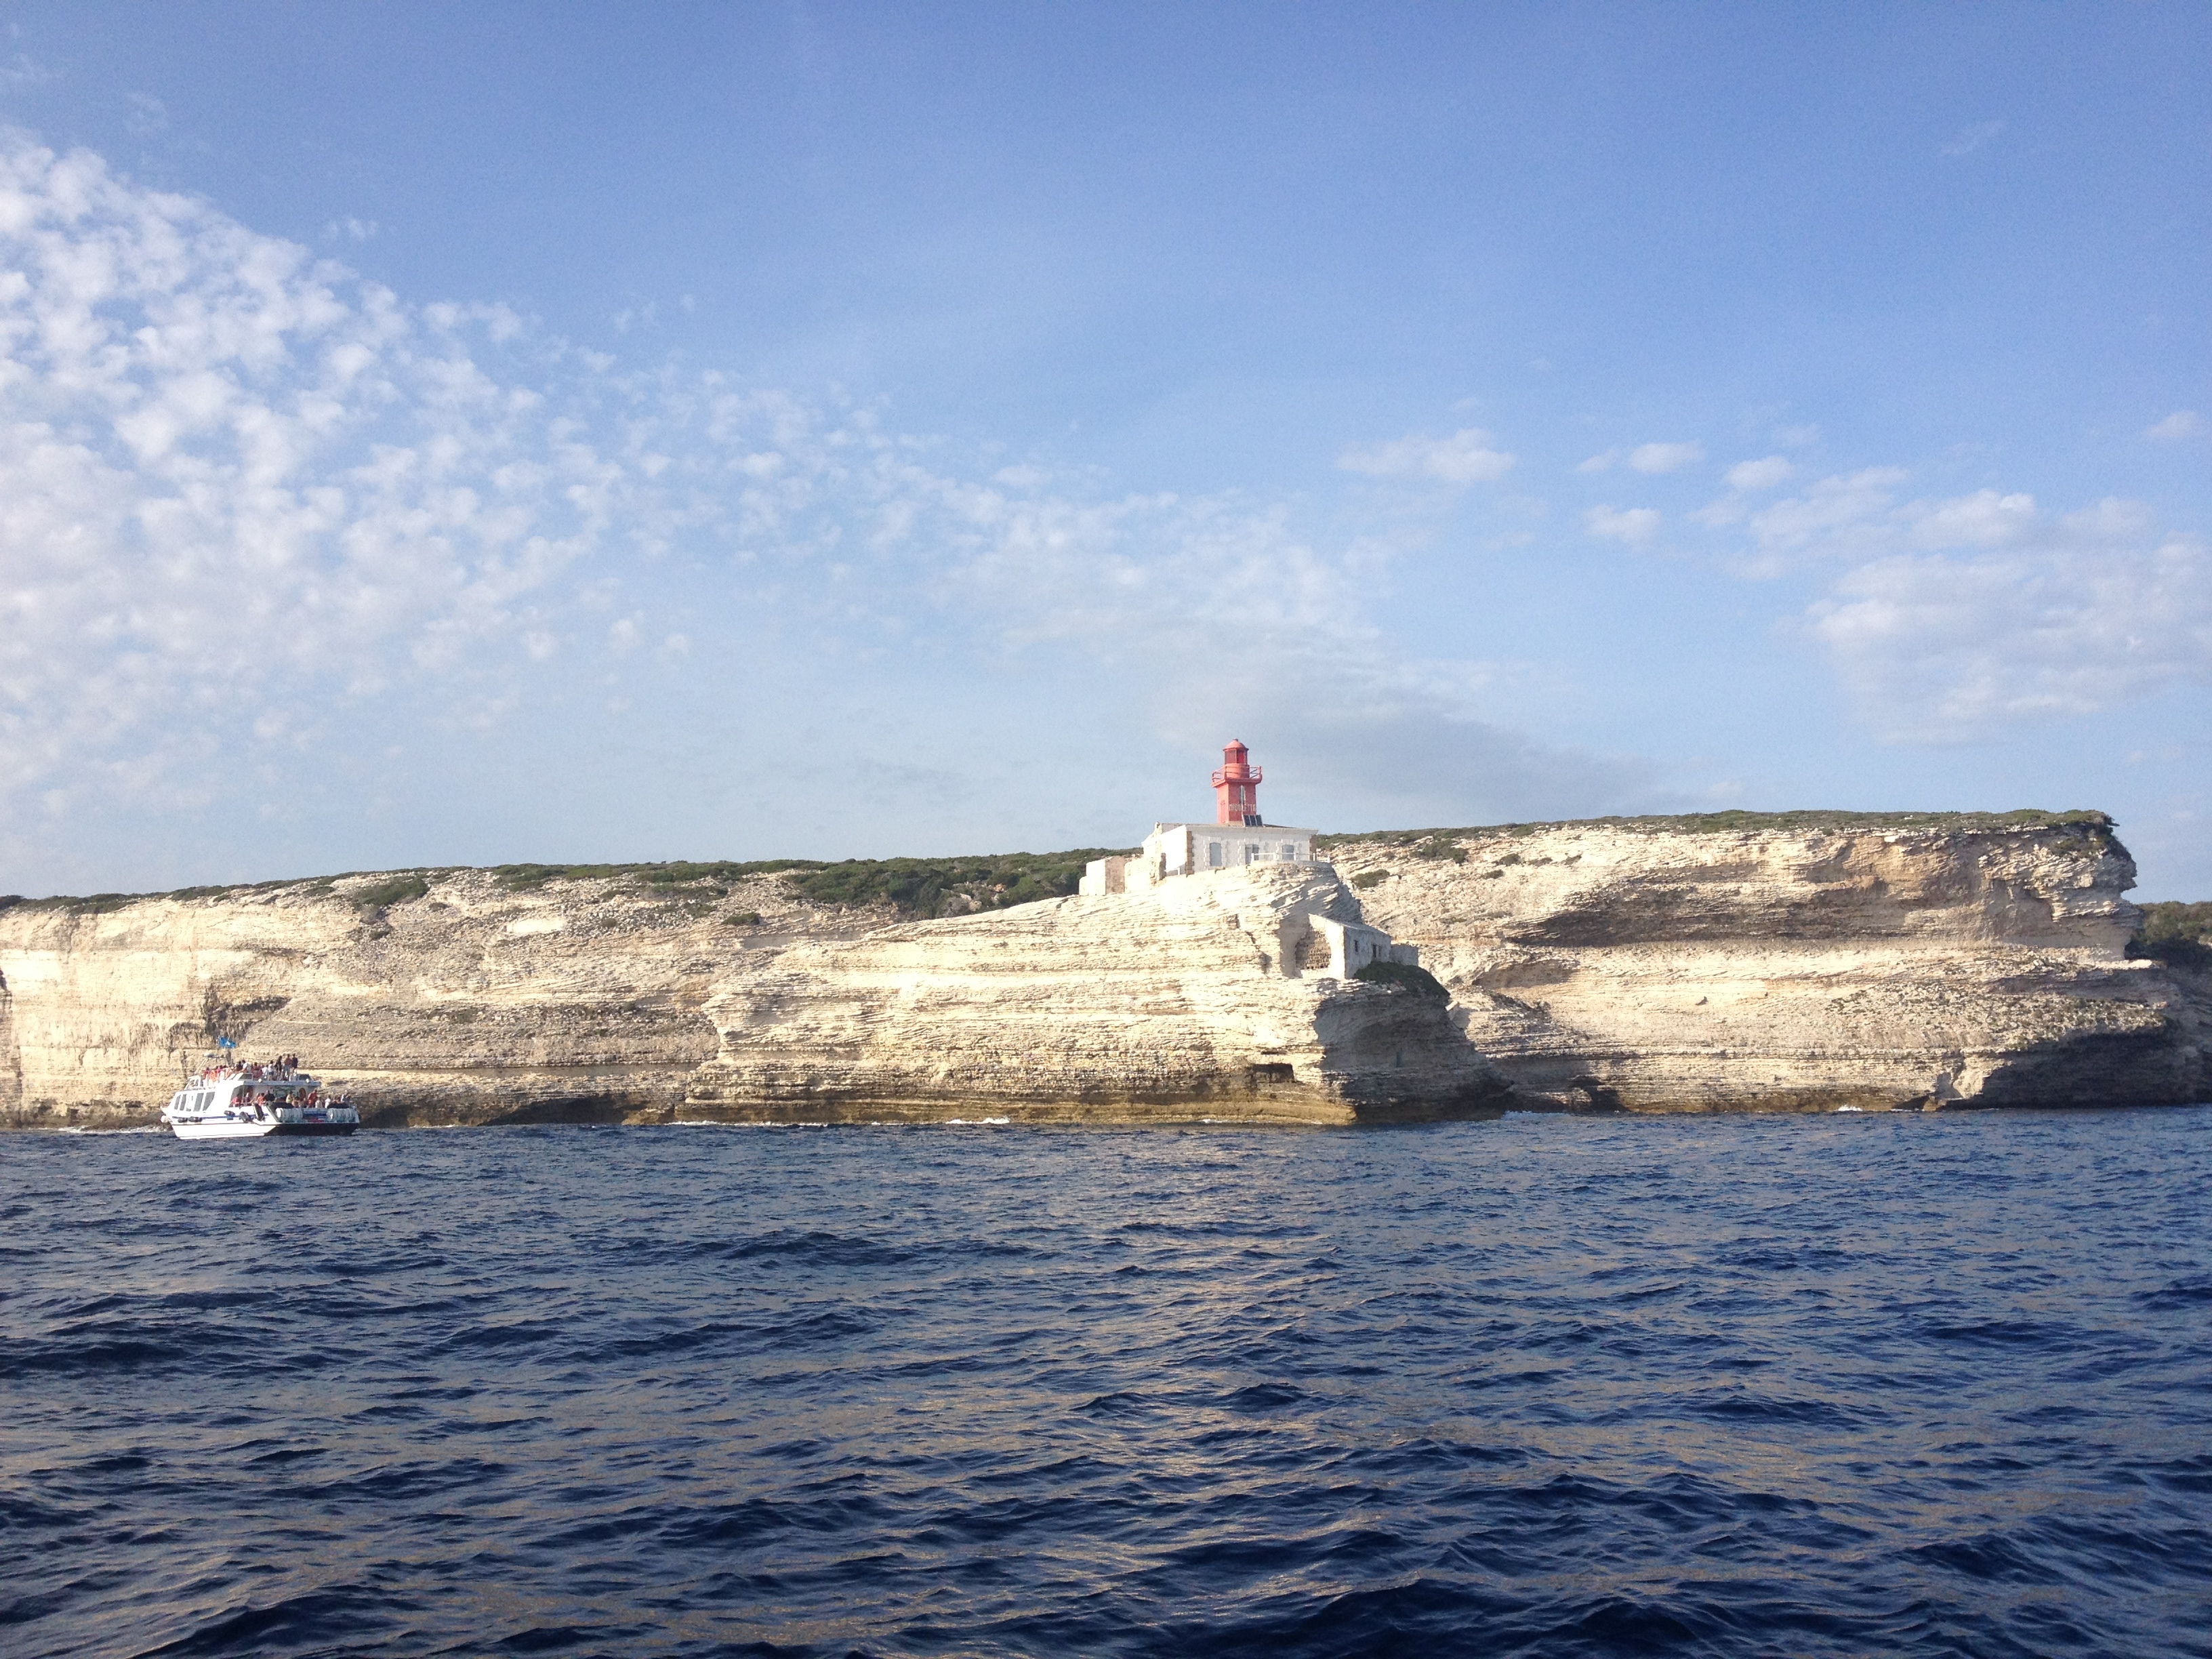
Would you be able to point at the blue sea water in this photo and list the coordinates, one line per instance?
(1915, 1384)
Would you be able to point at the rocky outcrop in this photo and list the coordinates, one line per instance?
(468, 1004)
(594, 1000)
(1652, 967)
(1220, 995)
(1594, 966)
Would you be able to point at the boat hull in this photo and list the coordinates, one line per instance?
(248, 1130)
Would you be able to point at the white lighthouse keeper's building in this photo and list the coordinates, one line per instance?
(1237, 836)
(1190, 849)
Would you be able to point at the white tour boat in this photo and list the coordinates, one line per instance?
(235, 1101)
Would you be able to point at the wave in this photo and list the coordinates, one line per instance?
(139, 1129)
(1696, 1387)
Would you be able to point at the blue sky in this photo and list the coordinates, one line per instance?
(473, 434)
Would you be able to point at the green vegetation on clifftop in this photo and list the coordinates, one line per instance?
(2177, 934)
(398, 890)
(679, 872)
(937, 887)
(1436, 843)
(913, 887)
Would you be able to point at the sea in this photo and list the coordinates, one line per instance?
(1858, 1383)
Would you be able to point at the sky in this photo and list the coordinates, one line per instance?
(465, 435)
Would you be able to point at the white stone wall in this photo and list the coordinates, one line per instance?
(1339, 950)
(1185, 849)
(1189, 849)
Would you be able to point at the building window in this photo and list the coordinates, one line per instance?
(1290, 853)
(1213, 853)
(1251, 851)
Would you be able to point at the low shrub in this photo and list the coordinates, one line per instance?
(1367, 879)
(937, 887)
(679, 873)
(2098, 825)
(398, 890)
(93, 904)
(2176, 933)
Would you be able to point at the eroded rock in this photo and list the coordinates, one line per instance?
(1651, 970)
(1219, 996)
(1597, 967)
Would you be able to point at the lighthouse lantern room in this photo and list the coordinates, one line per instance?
(1237, 787)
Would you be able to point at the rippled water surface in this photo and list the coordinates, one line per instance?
(1910, 1384)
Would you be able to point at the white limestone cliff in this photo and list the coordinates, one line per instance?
(1596, 966)
(1652, 968)
(1223, 995)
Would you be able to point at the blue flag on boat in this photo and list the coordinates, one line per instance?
(224, 1043)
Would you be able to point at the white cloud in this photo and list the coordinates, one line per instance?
(1797, 437)
(1952, 618)
(1634, 525)
(1984, 519)
(1748, 475)
(1665, 458)
(243, 491)
(2111, 522)
(1466, 457)
(1970, 139)
(1857, 515)
(1943, 648)
(1840, 514)
(2182, 424)
(247, 497)
(1603, 462)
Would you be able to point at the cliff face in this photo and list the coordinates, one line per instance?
(1646, 969)
(1199, 997)
(1595, 967)
(592, 1000)
(471, 1004)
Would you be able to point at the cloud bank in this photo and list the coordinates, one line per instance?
(1992, 613)
(235, 480)
(253, 506)
(261, 517)
(1960, 618)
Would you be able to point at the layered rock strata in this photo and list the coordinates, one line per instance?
(592, 1002)
(1597, 966)
(1223, 996)
(469, 1003)
(1647, 968)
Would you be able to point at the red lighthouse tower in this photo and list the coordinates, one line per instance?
(1237, 787)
